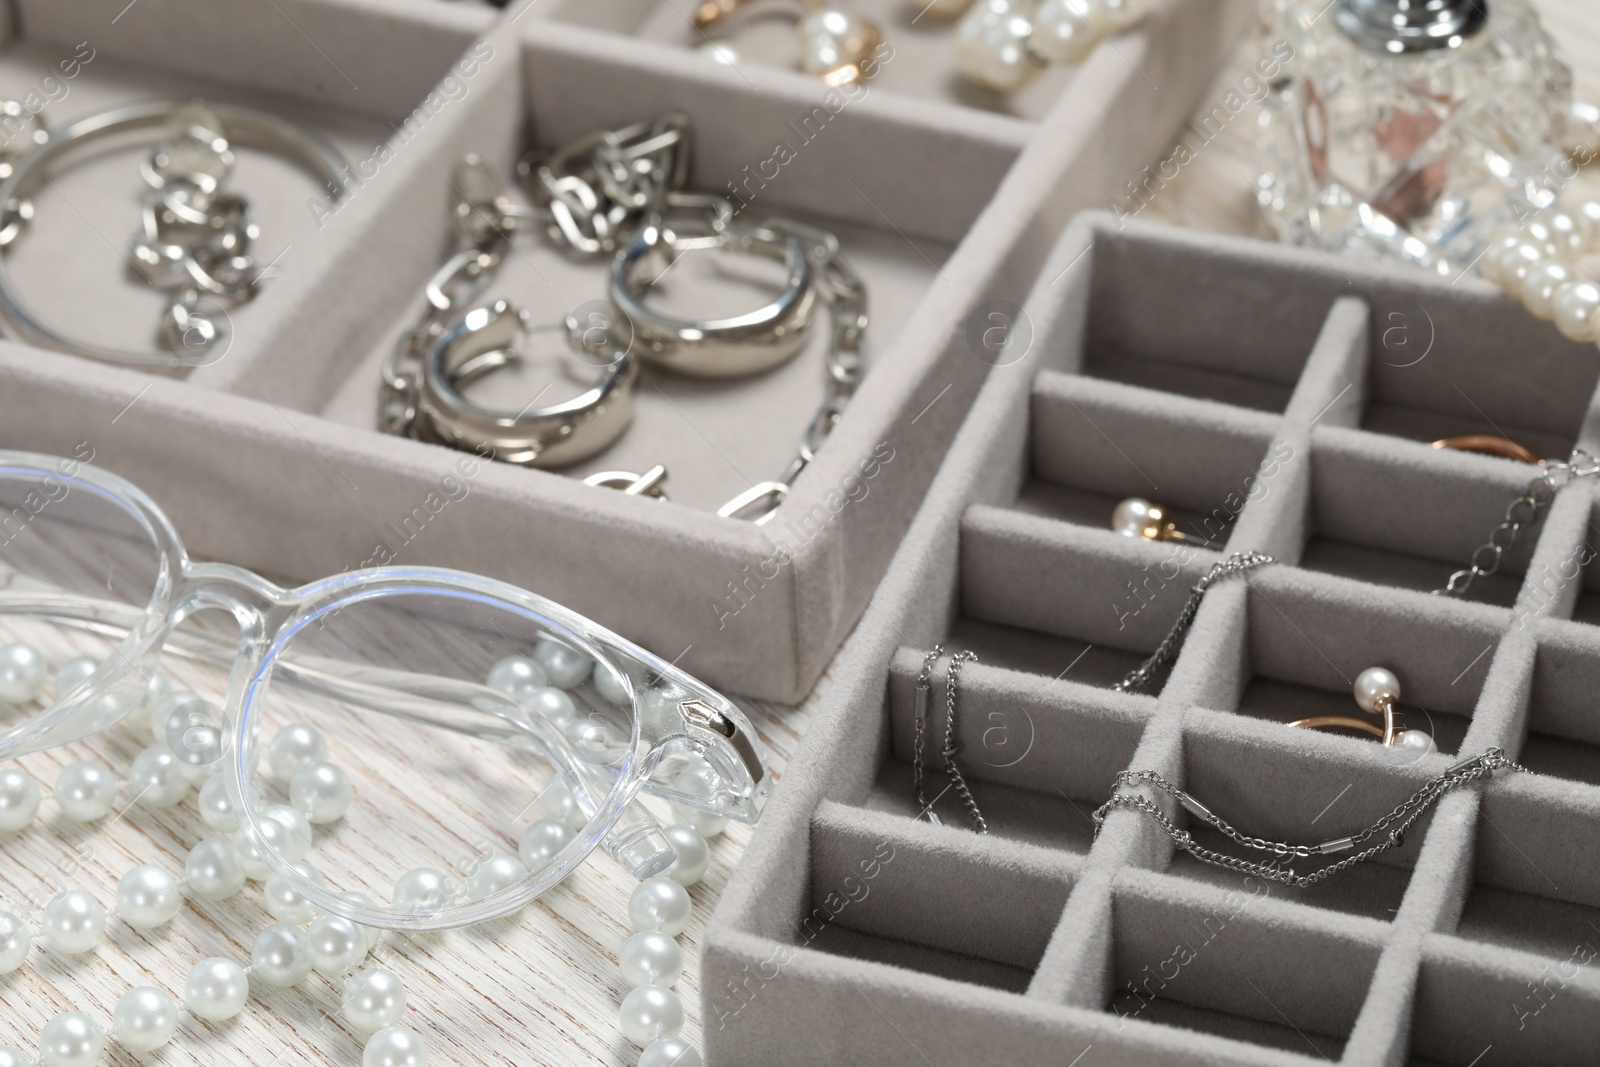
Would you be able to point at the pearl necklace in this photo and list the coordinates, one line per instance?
(303, 940)
(1538, 262)
(1003, 44)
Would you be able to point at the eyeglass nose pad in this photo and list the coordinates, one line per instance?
(636, 839)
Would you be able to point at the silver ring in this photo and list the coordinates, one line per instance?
(553, 436)
(717, 348)
(243, 126)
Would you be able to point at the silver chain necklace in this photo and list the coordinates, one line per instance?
(1389, 831)
(1167, 650)
(1520, 514)
(948, 752)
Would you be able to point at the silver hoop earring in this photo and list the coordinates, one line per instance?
(553, 436)
(716, 348)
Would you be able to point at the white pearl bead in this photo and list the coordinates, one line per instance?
(148, 896)
(611, 687)
(74, 673)
(515, 676)
(193, 733)
(373, 1000)
(215, 807)
(155, 781)
(217, 989)
(15, 940)
(553, 704)
(992, 49)
(281, 956)
(322, 791)
(159, 709)
(564, 667)
(541, 842)
(73, 922)
(1576, 305)
(1373, 683)
(11, 1056)
(282, 831)
(85, 791)
(213, 869)
(671, 1052)
(721, 52)
(284, 903)
(659, 904)
(493, 874)
(694, 854)
(650, 958)
(424, 889)
(1564, 234)
(295, 746)
(23, 674)
(1131, 516)
(1516, 265)
(650, 1013)
(71, 1040)
(19, 800)
(336, 944)
(395, 1046)
(144, 1020)
(596, 740)
(832, 38)
(1539, 287)
(558, 803)
(1061, 32)
(1114, 16)
(1417, 741)
(699, 779)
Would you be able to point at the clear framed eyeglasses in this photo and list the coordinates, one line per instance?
(490, 694)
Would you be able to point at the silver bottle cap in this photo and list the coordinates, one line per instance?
(1403, 26)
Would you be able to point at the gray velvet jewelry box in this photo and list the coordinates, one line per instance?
(1277, 401)
(269, 456)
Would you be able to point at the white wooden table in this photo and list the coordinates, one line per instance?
(542, 990)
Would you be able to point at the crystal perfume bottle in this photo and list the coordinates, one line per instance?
(1408, 129)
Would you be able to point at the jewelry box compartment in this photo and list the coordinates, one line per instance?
(282, 433)
(1016, 556)
(349, 75)
(914, 61)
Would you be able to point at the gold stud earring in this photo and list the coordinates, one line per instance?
(1376, 690)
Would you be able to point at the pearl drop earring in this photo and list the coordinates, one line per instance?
(1376, 690)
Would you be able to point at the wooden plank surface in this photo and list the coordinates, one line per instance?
(540, 989)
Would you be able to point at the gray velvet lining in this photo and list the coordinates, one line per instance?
(1292, 379)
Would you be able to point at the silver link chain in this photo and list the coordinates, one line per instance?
(1390, 830)
(1167, 650)
(1521, 513)
(948, 753)
(593, 196)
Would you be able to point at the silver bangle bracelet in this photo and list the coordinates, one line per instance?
(184, 193)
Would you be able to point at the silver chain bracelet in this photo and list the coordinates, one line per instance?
(1389, 831)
